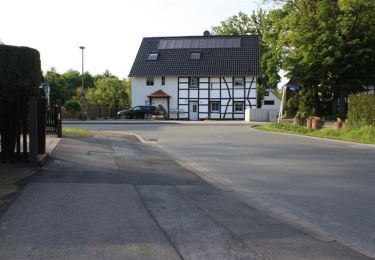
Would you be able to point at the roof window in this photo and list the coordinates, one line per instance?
(153, 56)
(195, 55)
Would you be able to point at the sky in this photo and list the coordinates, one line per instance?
(110, 30)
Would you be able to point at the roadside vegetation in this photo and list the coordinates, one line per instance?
(360, 134)
(325, 47)
(75, 131)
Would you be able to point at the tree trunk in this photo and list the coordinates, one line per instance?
(334, 104)
(342, 104)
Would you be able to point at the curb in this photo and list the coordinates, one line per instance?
(317, 138)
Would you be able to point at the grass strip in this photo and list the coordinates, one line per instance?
(75, 131)
(363, 134)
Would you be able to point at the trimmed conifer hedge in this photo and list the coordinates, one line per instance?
(20, 77)
(362, 109)
(20, 71)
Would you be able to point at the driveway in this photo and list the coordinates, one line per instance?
(324, 188)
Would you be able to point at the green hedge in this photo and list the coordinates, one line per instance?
(20, 71)
(362, 109)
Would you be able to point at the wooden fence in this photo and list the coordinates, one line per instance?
(24, 122)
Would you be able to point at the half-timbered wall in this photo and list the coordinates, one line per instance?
(216, 89)
(209, 89)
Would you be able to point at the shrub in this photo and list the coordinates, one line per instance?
(20, 71)
(73, 106)
(362, 109)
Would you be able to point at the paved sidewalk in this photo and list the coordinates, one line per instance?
(115, 198)
(12, 174)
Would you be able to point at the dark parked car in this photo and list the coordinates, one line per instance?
(142, 112)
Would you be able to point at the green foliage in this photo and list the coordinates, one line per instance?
(330, 43)
(75, 131)
(112, 92)
(364, 134)
(266, 26)
(60, 89)
(72, 105)
(20, 72)
(362, 110)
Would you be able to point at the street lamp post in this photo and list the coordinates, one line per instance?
(83, 93)
(83, 78)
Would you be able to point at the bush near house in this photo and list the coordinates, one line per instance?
(362, 110)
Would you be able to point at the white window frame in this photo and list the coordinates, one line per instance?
(235, 103)
(163, 81)
(218, 106)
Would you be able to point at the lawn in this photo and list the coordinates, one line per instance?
(75, 131)
(364, 134)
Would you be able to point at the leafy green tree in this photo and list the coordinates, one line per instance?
(64, 86)
(111, 92)
(268, 28)
(330, 44)
(59, 91)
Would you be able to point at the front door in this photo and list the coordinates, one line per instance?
(193, 110)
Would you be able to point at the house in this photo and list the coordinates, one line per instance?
(197, 77)
(270, 100)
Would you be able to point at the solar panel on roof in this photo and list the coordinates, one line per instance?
(170, 44)
(194, 43)
(186, 44)
(220, 43)
(162, 44)
(201, 43)
(211, 43)
(236, 42)
(178, 44)
(228, 43)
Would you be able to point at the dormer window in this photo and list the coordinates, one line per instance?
(195, 55)
(153, 56)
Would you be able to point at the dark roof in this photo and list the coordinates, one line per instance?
(220, 56)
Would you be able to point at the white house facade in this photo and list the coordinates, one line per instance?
(197, 77)
(270, 100)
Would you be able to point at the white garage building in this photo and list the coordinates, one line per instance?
(202, 77)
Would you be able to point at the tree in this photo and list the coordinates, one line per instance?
(267, 27)
(112, 92)
(330, 44)
(59, 90)
(64, 86)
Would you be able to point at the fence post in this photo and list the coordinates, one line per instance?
(41, 117)
(33, 134)
(59, 121)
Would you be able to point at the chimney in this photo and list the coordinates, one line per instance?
(206, 33)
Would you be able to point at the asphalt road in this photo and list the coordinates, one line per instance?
(324, 188)
(114, 198)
